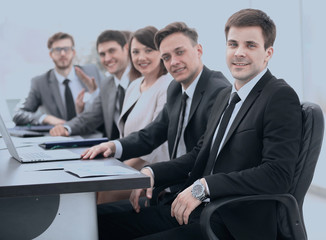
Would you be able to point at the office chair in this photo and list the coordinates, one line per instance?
(290, 215)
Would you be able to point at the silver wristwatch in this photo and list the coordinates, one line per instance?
(198, 191)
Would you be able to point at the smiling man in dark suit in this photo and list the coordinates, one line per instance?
(181, 55)
(255, 154)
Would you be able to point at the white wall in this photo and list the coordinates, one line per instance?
(26, 25)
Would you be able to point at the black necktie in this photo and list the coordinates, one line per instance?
(180, 124)
(221, 131)
(70, 104)
(120, 97)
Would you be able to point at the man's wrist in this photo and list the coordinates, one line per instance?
(149, 169)
(67, 128)
(198, 190)
(41, 119)
(203, 181)
(118, 149)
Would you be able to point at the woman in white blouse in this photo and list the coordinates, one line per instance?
(144, 99)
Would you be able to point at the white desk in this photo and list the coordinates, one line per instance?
(53, 204)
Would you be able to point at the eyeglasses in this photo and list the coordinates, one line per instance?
(58, 50)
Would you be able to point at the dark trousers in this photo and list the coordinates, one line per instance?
(119, 221)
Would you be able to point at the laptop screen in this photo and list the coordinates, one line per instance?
(6, 137)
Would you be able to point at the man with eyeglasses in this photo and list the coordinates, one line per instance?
(61, 93)
(112, 48)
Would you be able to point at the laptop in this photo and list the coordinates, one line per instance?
(34, 153)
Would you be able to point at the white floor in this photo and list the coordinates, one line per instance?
(314, 212)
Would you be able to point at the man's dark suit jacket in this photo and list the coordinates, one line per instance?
(258, 156)
(164, 127)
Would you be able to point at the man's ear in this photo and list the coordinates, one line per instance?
(199, 50)
(74, 52)
(269, 53)
(126, 47)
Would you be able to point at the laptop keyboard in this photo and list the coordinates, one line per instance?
(35, 155)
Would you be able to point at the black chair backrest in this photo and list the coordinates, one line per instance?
(312, 138)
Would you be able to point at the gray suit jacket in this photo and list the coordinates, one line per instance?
(45, 92)
(101, 111)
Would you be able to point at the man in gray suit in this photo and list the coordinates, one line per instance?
(113, 50)
(48, 90)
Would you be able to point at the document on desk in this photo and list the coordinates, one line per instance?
(97, 169)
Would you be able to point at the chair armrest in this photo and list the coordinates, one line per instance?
(295, 222)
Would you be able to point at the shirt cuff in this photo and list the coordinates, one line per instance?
(118, 149)
(150, 169)
(41, 119)
(68, 128)
(208, 199)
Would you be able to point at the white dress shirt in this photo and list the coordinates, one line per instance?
(181, 147)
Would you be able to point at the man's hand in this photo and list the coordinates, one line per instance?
(108, 149)
(89, 81)
(59, 130)
(80, 104)
(183, 206)
(135, 193)
(52, 120)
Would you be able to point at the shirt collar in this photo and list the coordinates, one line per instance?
(192, 87)
(71, 76)
(124, 81)
(246, 89)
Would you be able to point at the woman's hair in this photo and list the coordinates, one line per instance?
(146, 37)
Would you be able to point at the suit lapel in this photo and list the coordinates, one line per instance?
(199, 92)
(253, 95)
(218, 110)
(175, 113)
(110, 94)
(107, 98)
(54, 88)
(128, 103)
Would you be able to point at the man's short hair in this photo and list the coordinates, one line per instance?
(59, 36)
(253, 18)
(112, 35)
(176, 27)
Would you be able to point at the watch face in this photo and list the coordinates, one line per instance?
(197, 190)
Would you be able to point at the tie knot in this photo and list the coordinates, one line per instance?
(66, 82)
(235, 98)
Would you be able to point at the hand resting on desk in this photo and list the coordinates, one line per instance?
(107, 149)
